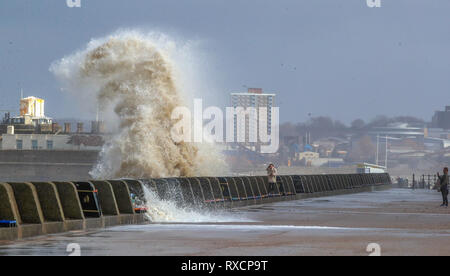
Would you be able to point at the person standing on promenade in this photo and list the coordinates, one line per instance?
(444, 187)
(272, 176)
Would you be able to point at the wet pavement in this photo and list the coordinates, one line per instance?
(401, 222)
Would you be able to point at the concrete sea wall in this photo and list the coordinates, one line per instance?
(40, 208)
(46, 165)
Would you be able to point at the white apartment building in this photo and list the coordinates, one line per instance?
(254, 97)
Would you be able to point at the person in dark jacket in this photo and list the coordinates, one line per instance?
(444, 187)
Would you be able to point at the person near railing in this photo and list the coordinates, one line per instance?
(444, 186)
(272, 178)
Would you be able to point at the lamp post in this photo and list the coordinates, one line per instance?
(385, 163)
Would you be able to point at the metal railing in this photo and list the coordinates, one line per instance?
(424, 181)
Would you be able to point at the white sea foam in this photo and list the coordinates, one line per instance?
(168, 210)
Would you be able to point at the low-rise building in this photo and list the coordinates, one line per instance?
(50, 142)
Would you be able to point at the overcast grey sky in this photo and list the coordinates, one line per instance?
(326, 57)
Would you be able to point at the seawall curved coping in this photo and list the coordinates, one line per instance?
(122, 196)
(297, 184)
(248, 188)
(340, 185)
(323, 181)
(28, 203)
(241, 188)
(305, 184)
(262, 187)
(255, 187)
(290, 185)
(312, 184)
(138, 191)
(8, 205)
(175, 192)
(106, 198)
(328, 183)
(233, 189)
(282, 185)
(135, 186)
(88, 195)
(161, 188)
(217, 190)
(207, 189)
(70, 201)
(197, 190)
(225, 188)
(50, 207)
(49, 201)
(186, 190)
(315, 185)
(331, 183)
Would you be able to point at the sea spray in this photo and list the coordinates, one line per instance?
(132, 78)
(169, 210)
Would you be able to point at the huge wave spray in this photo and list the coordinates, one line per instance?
(136, 84)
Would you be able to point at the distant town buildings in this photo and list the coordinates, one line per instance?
(399, 130)
(441, 119)
(32, 130)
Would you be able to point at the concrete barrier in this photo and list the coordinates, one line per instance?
(49, 201)
(70, 202)
(217, 190)
(162, 188)
(197, 190)
(136, 186)
(51, 207)
(331, 183)
(281, 185)
(106, 198)
(328, 186)
(254, 186)
(298, 186)
(8, 205)
(243, 193)
(235, 196)
(313, 183)
(308, 183)
(174, 191)
(248, 188)
(226, 193)
(343, 183)
(320, 180)
(304, 185)
(28, 203)
(88, 195)
(122, 196)
(264, 185)
(290, 184)
(318, 183)
(186, 190)
(207, 189)
(262, 188)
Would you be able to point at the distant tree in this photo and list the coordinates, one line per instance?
(363, 150)
(379, 121)
(338, 125)
(288, 129)
(383, 121)
(358, 124)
